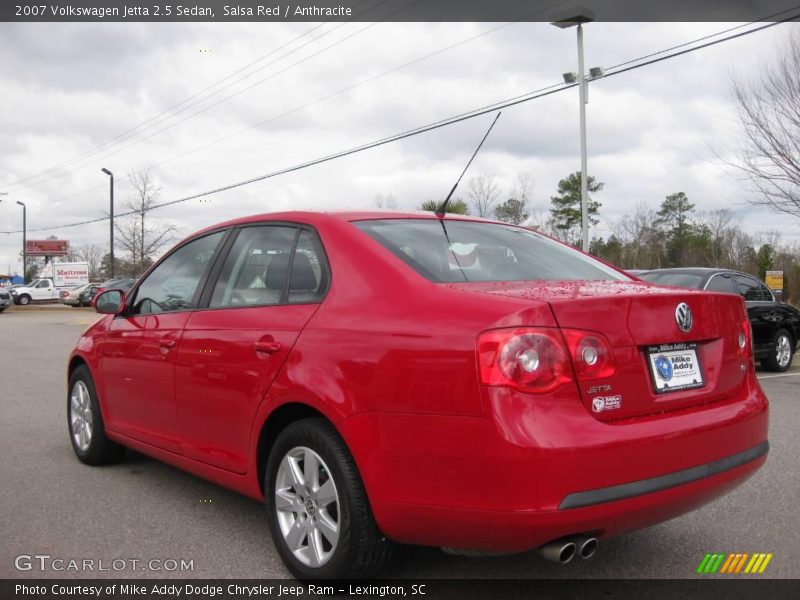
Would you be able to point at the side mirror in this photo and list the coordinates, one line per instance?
(110, 302)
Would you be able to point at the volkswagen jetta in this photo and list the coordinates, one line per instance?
(453, 382)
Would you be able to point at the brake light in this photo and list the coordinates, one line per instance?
(744, 340)
(591, 354)
(527, 359)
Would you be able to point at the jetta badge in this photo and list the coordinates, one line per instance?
(683, 316)
(664, 367)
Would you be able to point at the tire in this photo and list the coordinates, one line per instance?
(359, 550)
(781, 352)
(24, 299)
(85, 423)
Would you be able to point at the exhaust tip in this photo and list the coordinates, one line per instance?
(589, 548)
(567, 553)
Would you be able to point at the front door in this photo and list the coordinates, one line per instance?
(139, 353)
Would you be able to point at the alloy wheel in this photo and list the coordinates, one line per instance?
(80, 416)
(307, 506)
(783, 351)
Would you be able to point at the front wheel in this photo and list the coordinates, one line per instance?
(781, 352)
(86, 429)
(24, 299)
(319, 514)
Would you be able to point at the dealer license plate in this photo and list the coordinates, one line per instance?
(675, 367)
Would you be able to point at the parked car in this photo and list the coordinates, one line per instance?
(71, 297)
(775, 325)
(398, 377)
(122, 283)
(5, 299)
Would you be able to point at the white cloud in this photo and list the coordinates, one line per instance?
(70, 87)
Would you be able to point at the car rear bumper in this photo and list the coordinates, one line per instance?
(538, 469)
(520, 530)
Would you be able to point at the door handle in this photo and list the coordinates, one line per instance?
(266, 347)
(167, 343)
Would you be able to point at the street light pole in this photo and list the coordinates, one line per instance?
(24, 241)
(565, 21)
(584, 175)
(111, 212)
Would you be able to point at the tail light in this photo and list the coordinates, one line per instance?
(591, 354)
(529, 360)
(744, 340)
(537, 360)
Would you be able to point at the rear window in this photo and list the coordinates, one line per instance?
(687, 280)
(465, 251)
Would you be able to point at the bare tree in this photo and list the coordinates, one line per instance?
(769, 116)
(388, 201)
(140, 238)
(483, 193)
(93, 255)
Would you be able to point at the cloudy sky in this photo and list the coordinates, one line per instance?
(78, 97)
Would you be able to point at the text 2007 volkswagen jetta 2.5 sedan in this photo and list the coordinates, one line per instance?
(453, 382)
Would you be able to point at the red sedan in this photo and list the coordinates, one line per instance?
(454, 382)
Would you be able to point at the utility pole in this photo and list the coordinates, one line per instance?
(111, 214)
(24, 241)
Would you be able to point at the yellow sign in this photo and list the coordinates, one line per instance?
(774, 280)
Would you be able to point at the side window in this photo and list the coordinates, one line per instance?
(753, 290)
(43, 284)
(721, 283)
(307, 283)
(256, 269)
(173, 284)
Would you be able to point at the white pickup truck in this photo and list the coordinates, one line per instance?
(67, 275)
(37, 290)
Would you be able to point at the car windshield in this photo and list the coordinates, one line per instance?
(687, 280)
(468, 251)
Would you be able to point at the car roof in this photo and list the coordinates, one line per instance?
(314, 217)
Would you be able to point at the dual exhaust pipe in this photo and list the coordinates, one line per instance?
(565, 549)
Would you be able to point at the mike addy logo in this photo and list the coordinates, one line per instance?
(739, 563)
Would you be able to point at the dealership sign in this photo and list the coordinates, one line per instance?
(774, 280)
(47, 247)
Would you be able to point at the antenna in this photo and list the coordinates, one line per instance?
(443, 207)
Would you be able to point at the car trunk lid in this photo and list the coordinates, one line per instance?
(649, 349)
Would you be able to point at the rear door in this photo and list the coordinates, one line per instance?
(265, 291)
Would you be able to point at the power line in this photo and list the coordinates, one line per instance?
(226, 98)
(430, 127)
(343, 90)
(125, 133)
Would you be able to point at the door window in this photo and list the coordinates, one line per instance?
(753, 290)
(256, 269)
(43, 284)
(269, 265)
(173, 284)
(721, 283)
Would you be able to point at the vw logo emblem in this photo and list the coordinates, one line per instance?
(683, 316)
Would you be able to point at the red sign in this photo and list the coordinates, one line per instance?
(47, 247)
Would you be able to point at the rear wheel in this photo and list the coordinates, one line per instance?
(781, 352)
(319, 515)
(86, 429)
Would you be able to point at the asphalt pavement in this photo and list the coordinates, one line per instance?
(142, 510)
